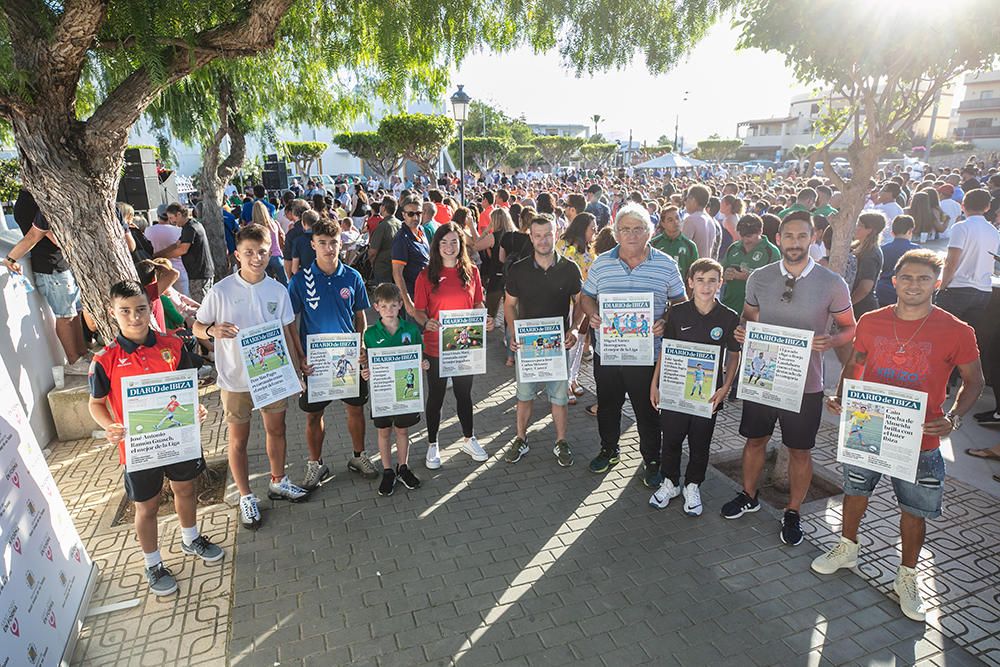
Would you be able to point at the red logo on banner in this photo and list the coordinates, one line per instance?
(15, 629)
(51, 619)
(48, 552)
(76, 553)
(16, 543)
(16, 479)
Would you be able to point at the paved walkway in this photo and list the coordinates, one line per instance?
(527, 564)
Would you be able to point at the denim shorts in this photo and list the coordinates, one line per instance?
(558, 391)
(61, 291)
(922, 498)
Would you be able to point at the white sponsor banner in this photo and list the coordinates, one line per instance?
(881, 428)
(161, 419)
(626, 336)
(688, 373)
(396, 381)
(335, 362)
(46, 576)
(541, 352)
(268, 364)
(774, 365)
(462, 342)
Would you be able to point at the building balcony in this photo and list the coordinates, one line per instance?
(977, 132)
(976, 105)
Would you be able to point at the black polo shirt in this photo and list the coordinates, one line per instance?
(685, 323)
(543, 292)
(198, 259)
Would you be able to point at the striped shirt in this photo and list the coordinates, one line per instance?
(657, 274)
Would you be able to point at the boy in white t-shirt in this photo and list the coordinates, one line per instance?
(967, 279)
(241, 300)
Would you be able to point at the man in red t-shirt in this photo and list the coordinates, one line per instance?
(484, 217)
(914, 345)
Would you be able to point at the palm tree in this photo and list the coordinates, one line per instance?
(597, 119)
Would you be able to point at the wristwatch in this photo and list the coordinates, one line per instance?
(955, 419)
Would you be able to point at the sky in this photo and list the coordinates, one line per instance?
(724, 86)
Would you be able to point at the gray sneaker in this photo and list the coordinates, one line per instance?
(204, 548)
(316, 472)
(515, 451)
(563, 452)
(362, 465)
(161, 580)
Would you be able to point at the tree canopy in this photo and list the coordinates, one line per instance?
(883, 77)
(557, 150)
(598, 154)
(484, 152)
(487, 120)
(418, 137)
(716, 149)
(304, 154)
(381, 157)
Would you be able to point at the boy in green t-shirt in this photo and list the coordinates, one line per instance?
(390, 331)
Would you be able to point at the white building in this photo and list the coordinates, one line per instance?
(334, 161)
(978, 115)
(773, 138)
(560, 130)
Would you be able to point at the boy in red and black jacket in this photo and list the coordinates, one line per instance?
(138, 350)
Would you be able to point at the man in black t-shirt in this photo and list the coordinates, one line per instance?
(52, 278)
(542, 284)
(193, 250)
(703, 320)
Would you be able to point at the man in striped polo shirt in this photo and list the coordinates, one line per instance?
(633, 266)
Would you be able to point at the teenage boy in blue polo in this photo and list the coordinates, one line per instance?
(330, 297)
(138, 350)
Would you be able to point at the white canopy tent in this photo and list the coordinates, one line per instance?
(671, 161)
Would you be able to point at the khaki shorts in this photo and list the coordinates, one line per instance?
(237, 406)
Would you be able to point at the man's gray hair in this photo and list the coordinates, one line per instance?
(636, 211)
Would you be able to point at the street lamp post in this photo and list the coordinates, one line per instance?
(460, 107)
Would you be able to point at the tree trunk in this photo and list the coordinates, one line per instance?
(216, 173)
(855, 194)
(74, 184)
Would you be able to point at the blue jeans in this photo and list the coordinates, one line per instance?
(276, 269)
(922, 498)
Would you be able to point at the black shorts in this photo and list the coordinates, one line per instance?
(142, 485)
(398, 421)
(798, 429)
(359, 400)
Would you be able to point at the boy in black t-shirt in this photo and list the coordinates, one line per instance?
(702, 320)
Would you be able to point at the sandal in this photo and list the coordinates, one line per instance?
(592, 410)
(571, 400)
(577, 390)
(984, 453)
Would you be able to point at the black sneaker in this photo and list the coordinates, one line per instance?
(791, 528)
(605, 460)
(988, 418)
(406, 476)
(651, 476)
(388, 484)
(740, 505)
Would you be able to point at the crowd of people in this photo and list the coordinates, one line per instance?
(715, 251)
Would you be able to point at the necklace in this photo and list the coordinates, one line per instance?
(901, 347)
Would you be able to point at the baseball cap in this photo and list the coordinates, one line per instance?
(161, 211)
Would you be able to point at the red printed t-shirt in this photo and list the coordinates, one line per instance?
(159, 353)
(926, 361)
(449, 294)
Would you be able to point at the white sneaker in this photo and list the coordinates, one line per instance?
(692, 500)
(283, 489)
(80, 367)
(475, 450)
(433, 460)
(661, 497)
(843, 554)
(249, 512)
(908, 590)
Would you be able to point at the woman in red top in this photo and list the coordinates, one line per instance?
(450, 282)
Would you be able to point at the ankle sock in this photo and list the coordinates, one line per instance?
(152, 558)
(189, 535)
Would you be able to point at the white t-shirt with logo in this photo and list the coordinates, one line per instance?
(976, 238)
(238, 302)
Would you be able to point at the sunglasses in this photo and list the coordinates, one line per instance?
(789, 289)
(411, 214)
